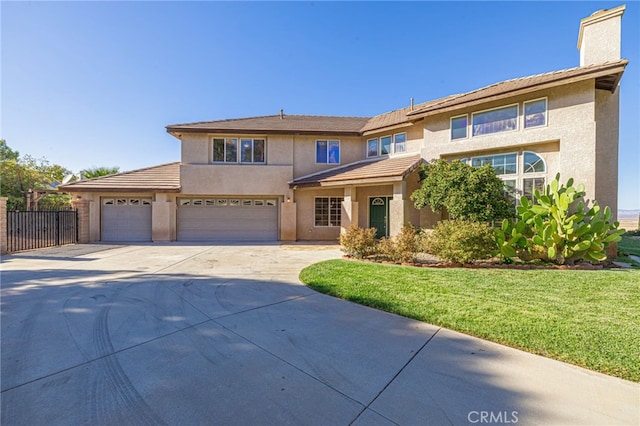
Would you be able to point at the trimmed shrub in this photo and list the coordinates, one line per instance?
(461, 241)
(403, 247)
(358, 242)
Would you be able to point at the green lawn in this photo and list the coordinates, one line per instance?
(587, 318)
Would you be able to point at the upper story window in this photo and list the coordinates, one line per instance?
(252, 150)
(535, 113)
(503, 164)
(399, 142)
(496, 120)
(383, 146)
(327, 152)
(459, 127)
(225, 150)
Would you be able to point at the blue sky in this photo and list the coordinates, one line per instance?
(95, 83)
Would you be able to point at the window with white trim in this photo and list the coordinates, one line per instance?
(252, 150)
(503, 164)
(399, 142)
(385, 145)
(234, 150)
(327, 152)
(328, 211)
(535, 113)
(496, 120)
(459, 127)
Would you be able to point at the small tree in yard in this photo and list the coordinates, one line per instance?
(468, 193)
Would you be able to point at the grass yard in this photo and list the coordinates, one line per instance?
(586, 318)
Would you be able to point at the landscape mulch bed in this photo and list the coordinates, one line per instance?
(493, 265)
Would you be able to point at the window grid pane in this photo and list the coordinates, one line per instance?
(334, 152)
(258, 150)
(218, 150)
(231, 150)
(246, 150)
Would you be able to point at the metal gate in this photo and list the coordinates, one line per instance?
(28, 230)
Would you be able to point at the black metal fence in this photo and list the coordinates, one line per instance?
(28, 230)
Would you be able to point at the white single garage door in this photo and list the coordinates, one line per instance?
(126, 219)
(227, 219)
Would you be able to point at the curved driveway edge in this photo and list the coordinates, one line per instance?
(198, 334)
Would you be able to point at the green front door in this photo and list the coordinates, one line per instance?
(379, 215)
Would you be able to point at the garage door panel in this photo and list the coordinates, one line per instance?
(228, 223)
(126, 222)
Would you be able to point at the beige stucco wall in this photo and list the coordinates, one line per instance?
(567, 143)
(223, 179)
(601, 40)
(304, 153)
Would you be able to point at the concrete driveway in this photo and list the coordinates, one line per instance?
(193, 334)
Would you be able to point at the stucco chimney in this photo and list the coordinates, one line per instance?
(599, 36)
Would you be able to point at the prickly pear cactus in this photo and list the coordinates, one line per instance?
(560, 225)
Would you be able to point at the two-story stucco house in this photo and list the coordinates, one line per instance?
(296, 177)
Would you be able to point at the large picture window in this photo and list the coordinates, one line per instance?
(535, 113)
(328, 152)
(496, 120)
(328, 211)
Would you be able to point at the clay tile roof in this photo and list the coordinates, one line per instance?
(274, 124)
(162, 178)
(377, 170)
(607, 76)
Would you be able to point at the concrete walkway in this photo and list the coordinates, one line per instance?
(193, 334)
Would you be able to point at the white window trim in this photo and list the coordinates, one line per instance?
(315, 152)
(451, 127)
(470, 124)
(546, 113)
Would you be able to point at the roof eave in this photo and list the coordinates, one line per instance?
(616, 69)
(361, 181)
(121, 189)
(177, 131)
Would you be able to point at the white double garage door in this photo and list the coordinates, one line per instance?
(198, 219)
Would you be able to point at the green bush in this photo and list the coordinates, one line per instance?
(461, 241)
(358, 242)
(402, 248)
(468, 193)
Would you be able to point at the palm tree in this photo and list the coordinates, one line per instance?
(94, 172)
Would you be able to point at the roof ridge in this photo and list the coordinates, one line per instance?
(266, 116)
